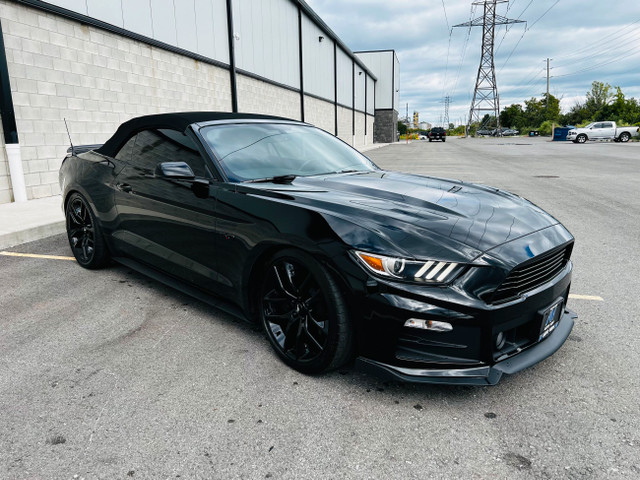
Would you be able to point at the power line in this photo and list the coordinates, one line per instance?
(464, 50)
(547, 11)
(609, 48)
(526, 30)
(508, 27)
(593, 67)
(616, 34)
(445, 16)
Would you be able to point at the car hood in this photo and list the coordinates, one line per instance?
(416, 216)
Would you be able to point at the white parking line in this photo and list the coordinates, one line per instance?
(35, 255)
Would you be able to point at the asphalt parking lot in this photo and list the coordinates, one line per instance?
(110, 375)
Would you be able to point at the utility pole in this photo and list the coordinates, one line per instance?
(446, 112)
(485, 94)
(548, 60)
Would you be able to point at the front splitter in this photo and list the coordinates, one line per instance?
(487, 375)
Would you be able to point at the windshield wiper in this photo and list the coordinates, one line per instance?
(280, 179)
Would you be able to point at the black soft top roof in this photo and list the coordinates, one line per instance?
(176, 121)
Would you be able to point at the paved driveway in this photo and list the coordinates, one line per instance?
(111, 375)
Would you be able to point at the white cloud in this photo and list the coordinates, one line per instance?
(587, 40)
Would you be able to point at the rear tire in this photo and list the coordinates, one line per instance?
(85, 234)
(624, 137)
(303, 313)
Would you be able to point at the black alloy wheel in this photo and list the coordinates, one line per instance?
(84, 233)
(303, 313)
(624, 137)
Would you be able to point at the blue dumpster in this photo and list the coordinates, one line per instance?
(560, 133)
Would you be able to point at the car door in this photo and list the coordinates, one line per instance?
(607, 130)
(160, 220)
(596, 131)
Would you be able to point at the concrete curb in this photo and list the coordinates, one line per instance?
(30, 221)
(32, 234)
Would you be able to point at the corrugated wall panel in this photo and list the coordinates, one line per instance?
(317, 59)
(109, 12)
(268, 39)
(164, 21)
(345, 78)
(396, 85)
(381, 65)
(220, 30)
(186, 29)
(371, 85)
(211, 26)
(137, 17)
(360, 79)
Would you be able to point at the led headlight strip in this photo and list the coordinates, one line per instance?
(430, 271)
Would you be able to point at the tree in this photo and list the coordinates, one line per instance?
(598, 98)
(402, 128)
(512, 116)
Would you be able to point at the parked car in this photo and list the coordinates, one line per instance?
(437, 133)
(485, 132)
(509, 132)
(602, 131)
(423, 279)
(422, 137)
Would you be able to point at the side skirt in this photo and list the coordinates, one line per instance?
(185, 288)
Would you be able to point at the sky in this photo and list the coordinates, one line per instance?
(586, 40)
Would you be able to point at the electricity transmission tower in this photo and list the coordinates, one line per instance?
(485, 95)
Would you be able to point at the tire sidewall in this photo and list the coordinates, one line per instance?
(100, 254)
(335, 308)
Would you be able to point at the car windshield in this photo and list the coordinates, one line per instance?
(255, 151)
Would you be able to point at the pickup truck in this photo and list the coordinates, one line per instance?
(437, 133)
(602, 131)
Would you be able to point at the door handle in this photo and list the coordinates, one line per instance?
(124, 187)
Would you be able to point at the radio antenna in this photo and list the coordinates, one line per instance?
(67, 127)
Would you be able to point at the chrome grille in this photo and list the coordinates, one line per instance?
(531, 274)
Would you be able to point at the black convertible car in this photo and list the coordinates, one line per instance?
(421, 279)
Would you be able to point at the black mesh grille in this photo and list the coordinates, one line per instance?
(531, 274)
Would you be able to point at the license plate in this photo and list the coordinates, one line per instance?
(550, 319)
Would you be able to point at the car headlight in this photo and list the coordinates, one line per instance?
(419, 271)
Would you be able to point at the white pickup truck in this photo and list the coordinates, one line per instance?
(602, 131)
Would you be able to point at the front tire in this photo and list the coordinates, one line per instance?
(624, 137)
(85, 234)
(581, 138)
(304, 314)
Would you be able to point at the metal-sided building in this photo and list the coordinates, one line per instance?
(99, 63)
(385, 66)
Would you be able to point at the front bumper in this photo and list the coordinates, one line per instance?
(485, 375)
(572, 137)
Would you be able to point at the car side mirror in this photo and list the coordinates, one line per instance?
(175, 170)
